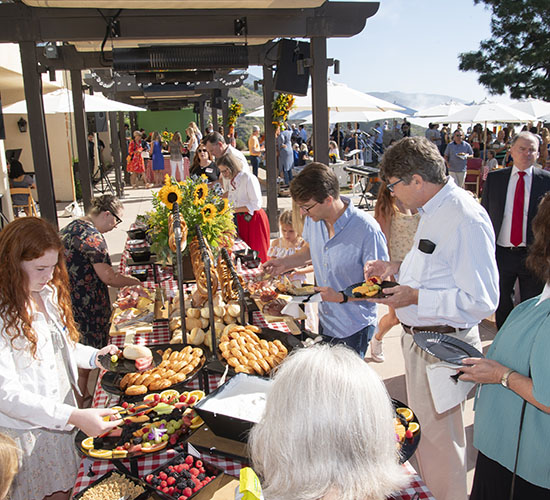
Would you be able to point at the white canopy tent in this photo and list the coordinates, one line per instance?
(535, 107)
(441, 110)
(487, 112)
(61, 101)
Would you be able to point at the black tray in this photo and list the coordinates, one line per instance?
(124, 365)
(408, 447)
(144, 496)
(445, 347)
(80, 436)
(211, 470)
(288, 340)
(385, 284)
(110, 381)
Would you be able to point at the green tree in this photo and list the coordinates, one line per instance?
(517, 56)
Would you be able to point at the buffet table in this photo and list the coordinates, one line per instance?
(90, 470)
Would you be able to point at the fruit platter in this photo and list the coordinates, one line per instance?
(179, 365)
(181, 477)
(407, 430)
(148, 426)
(132, 358)
(371, 288)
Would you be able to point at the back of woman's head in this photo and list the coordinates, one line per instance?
(327, 428)
(105, 203)
(27, 239)
(9, 463)
(231, 162)
(16, 169)
(385, 203)
(286, 218)
(155, 136)
(176, 137)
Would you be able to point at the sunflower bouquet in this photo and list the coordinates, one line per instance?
(235, 110)
(166, 136)
(199, 205)
(281, 108)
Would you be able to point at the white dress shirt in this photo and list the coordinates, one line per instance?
(29, 388)
(244, 191)
(458, 282)
(503, 238)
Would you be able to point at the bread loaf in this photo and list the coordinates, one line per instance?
(133, 351)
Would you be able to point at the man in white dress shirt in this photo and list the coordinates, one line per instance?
(216, 146)
(448, 284)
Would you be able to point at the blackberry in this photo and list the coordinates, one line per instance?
(201, 477)
(190, 483)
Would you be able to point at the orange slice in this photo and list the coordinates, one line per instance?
(406, 413)
(414, 427)
(149, 397)
(100, 453)
(87, 444)
(196, 422)
(198, 394)
(169, 393)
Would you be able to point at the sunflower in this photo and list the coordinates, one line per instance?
(225, 206)
(209, 212)
(167, 191)
(167, 180)
(200, 193)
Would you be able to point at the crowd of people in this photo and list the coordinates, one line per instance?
(456, 260)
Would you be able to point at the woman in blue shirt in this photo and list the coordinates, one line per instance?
(516, 373)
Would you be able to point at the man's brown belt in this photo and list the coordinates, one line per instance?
(433, 328)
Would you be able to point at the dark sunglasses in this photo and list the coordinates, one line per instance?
(202, 151)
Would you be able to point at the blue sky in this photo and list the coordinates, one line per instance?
(413, 46)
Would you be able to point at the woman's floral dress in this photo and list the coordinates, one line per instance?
(135, 162)
(84, 247)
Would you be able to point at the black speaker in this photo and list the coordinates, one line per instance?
(101, 121)
(288, 78)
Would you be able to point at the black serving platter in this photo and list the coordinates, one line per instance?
(408, 447)
(385, 284)
(140, 274)
(124, 365)
(289, 341)
(142, 254)
(137, 234)
(110, 381)
(210, 469)
(144, 496)
(445, 347)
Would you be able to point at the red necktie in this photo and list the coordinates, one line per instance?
(516, 234)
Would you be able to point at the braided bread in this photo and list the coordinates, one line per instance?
(198, 267)
(172, 238)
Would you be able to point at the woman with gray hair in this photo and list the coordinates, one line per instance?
(327, 431)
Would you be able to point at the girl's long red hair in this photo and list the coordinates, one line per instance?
(27, 239)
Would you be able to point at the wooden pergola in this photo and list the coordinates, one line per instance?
(76, 39)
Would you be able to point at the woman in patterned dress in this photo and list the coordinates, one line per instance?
(39, 356)
(91, 273)
(136, 165)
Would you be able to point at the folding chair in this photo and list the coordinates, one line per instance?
(30, 206)
(473, 175)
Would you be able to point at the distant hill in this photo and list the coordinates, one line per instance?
(414, 102)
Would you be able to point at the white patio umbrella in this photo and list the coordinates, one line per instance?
(488, 112)
(349, 116)
(61, 101)
(536, 107)
(340, 97)
(441, 110)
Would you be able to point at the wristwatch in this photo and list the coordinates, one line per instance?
(505, 377)
(345, 299)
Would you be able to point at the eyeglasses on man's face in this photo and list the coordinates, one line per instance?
(391, 186)
(307, 209)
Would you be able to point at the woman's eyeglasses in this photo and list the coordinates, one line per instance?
(118, 220)
(202, 151)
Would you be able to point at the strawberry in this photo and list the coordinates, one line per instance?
(124, 404)
(170, 490)
(164, 484)
(163, 476)
(187, 492)
(149, 478)
(189, 460)
(185, 466)
(170, 481)
(194, 471)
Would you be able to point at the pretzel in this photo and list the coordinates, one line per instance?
(198, 267)
(226, 281)
(172, 238)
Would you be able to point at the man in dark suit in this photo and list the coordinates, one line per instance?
(511, 197)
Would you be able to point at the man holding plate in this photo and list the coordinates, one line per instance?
(448, 284)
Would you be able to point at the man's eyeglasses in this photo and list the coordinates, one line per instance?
(390, 186)
(307, 209)
(118, 220)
